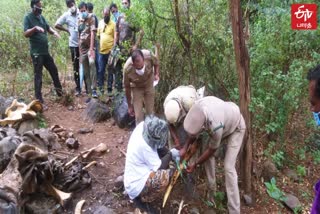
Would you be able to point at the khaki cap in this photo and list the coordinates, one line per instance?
(172, 111)
(194, 120)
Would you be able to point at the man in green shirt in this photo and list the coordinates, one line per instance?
(36, 29)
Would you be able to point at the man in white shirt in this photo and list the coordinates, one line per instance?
(146, 173)
(70, 19)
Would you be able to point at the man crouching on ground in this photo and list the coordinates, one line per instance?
(147, 172)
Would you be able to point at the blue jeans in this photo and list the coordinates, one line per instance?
(103, 60)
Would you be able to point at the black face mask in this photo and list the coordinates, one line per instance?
(106, 19)
(37, 10)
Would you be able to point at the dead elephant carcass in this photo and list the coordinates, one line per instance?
(29, 171)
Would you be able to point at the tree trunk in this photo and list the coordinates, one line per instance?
(242, 64)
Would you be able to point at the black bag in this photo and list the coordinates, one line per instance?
(120, 112)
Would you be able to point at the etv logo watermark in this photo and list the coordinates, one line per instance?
(304, 16)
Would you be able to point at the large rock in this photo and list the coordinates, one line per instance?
(248, 199)
(269, 170)
(7, 132)
(118, 183)
(292, 202)
(120, 112)
(291, 174)
(8, 146)
(4, 104)
(97, 111)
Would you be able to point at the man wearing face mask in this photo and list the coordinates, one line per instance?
(106, 33)
(70, 19)
(115, 12)
(140, 71)
(36, 29)
(87, 31)
(314, 97)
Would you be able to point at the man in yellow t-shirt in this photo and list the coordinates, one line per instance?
(106, 34)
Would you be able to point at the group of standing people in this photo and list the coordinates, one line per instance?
(95, 46)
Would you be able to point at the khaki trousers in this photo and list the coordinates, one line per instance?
(234, 142)
(142, 97)
(90, 74)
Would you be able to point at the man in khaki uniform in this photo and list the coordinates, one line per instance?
(87, 31)
(140, 71)
(176, 106)
(223, 121)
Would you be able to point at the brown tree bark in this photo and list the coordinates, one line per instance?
(242, 64)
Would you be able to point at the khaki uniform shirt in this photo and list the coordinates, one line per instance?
(85, 27)
(222, 118)
(132, 79)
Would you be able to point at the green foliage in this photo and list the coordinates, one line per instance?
(219, 198)
(301, 153)
(278, 158)
(42, 121)
(316, 156)
(273, 191)
(297, 210)
(268, 150)
(219, 201)
(301, 171)
(279, 64)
